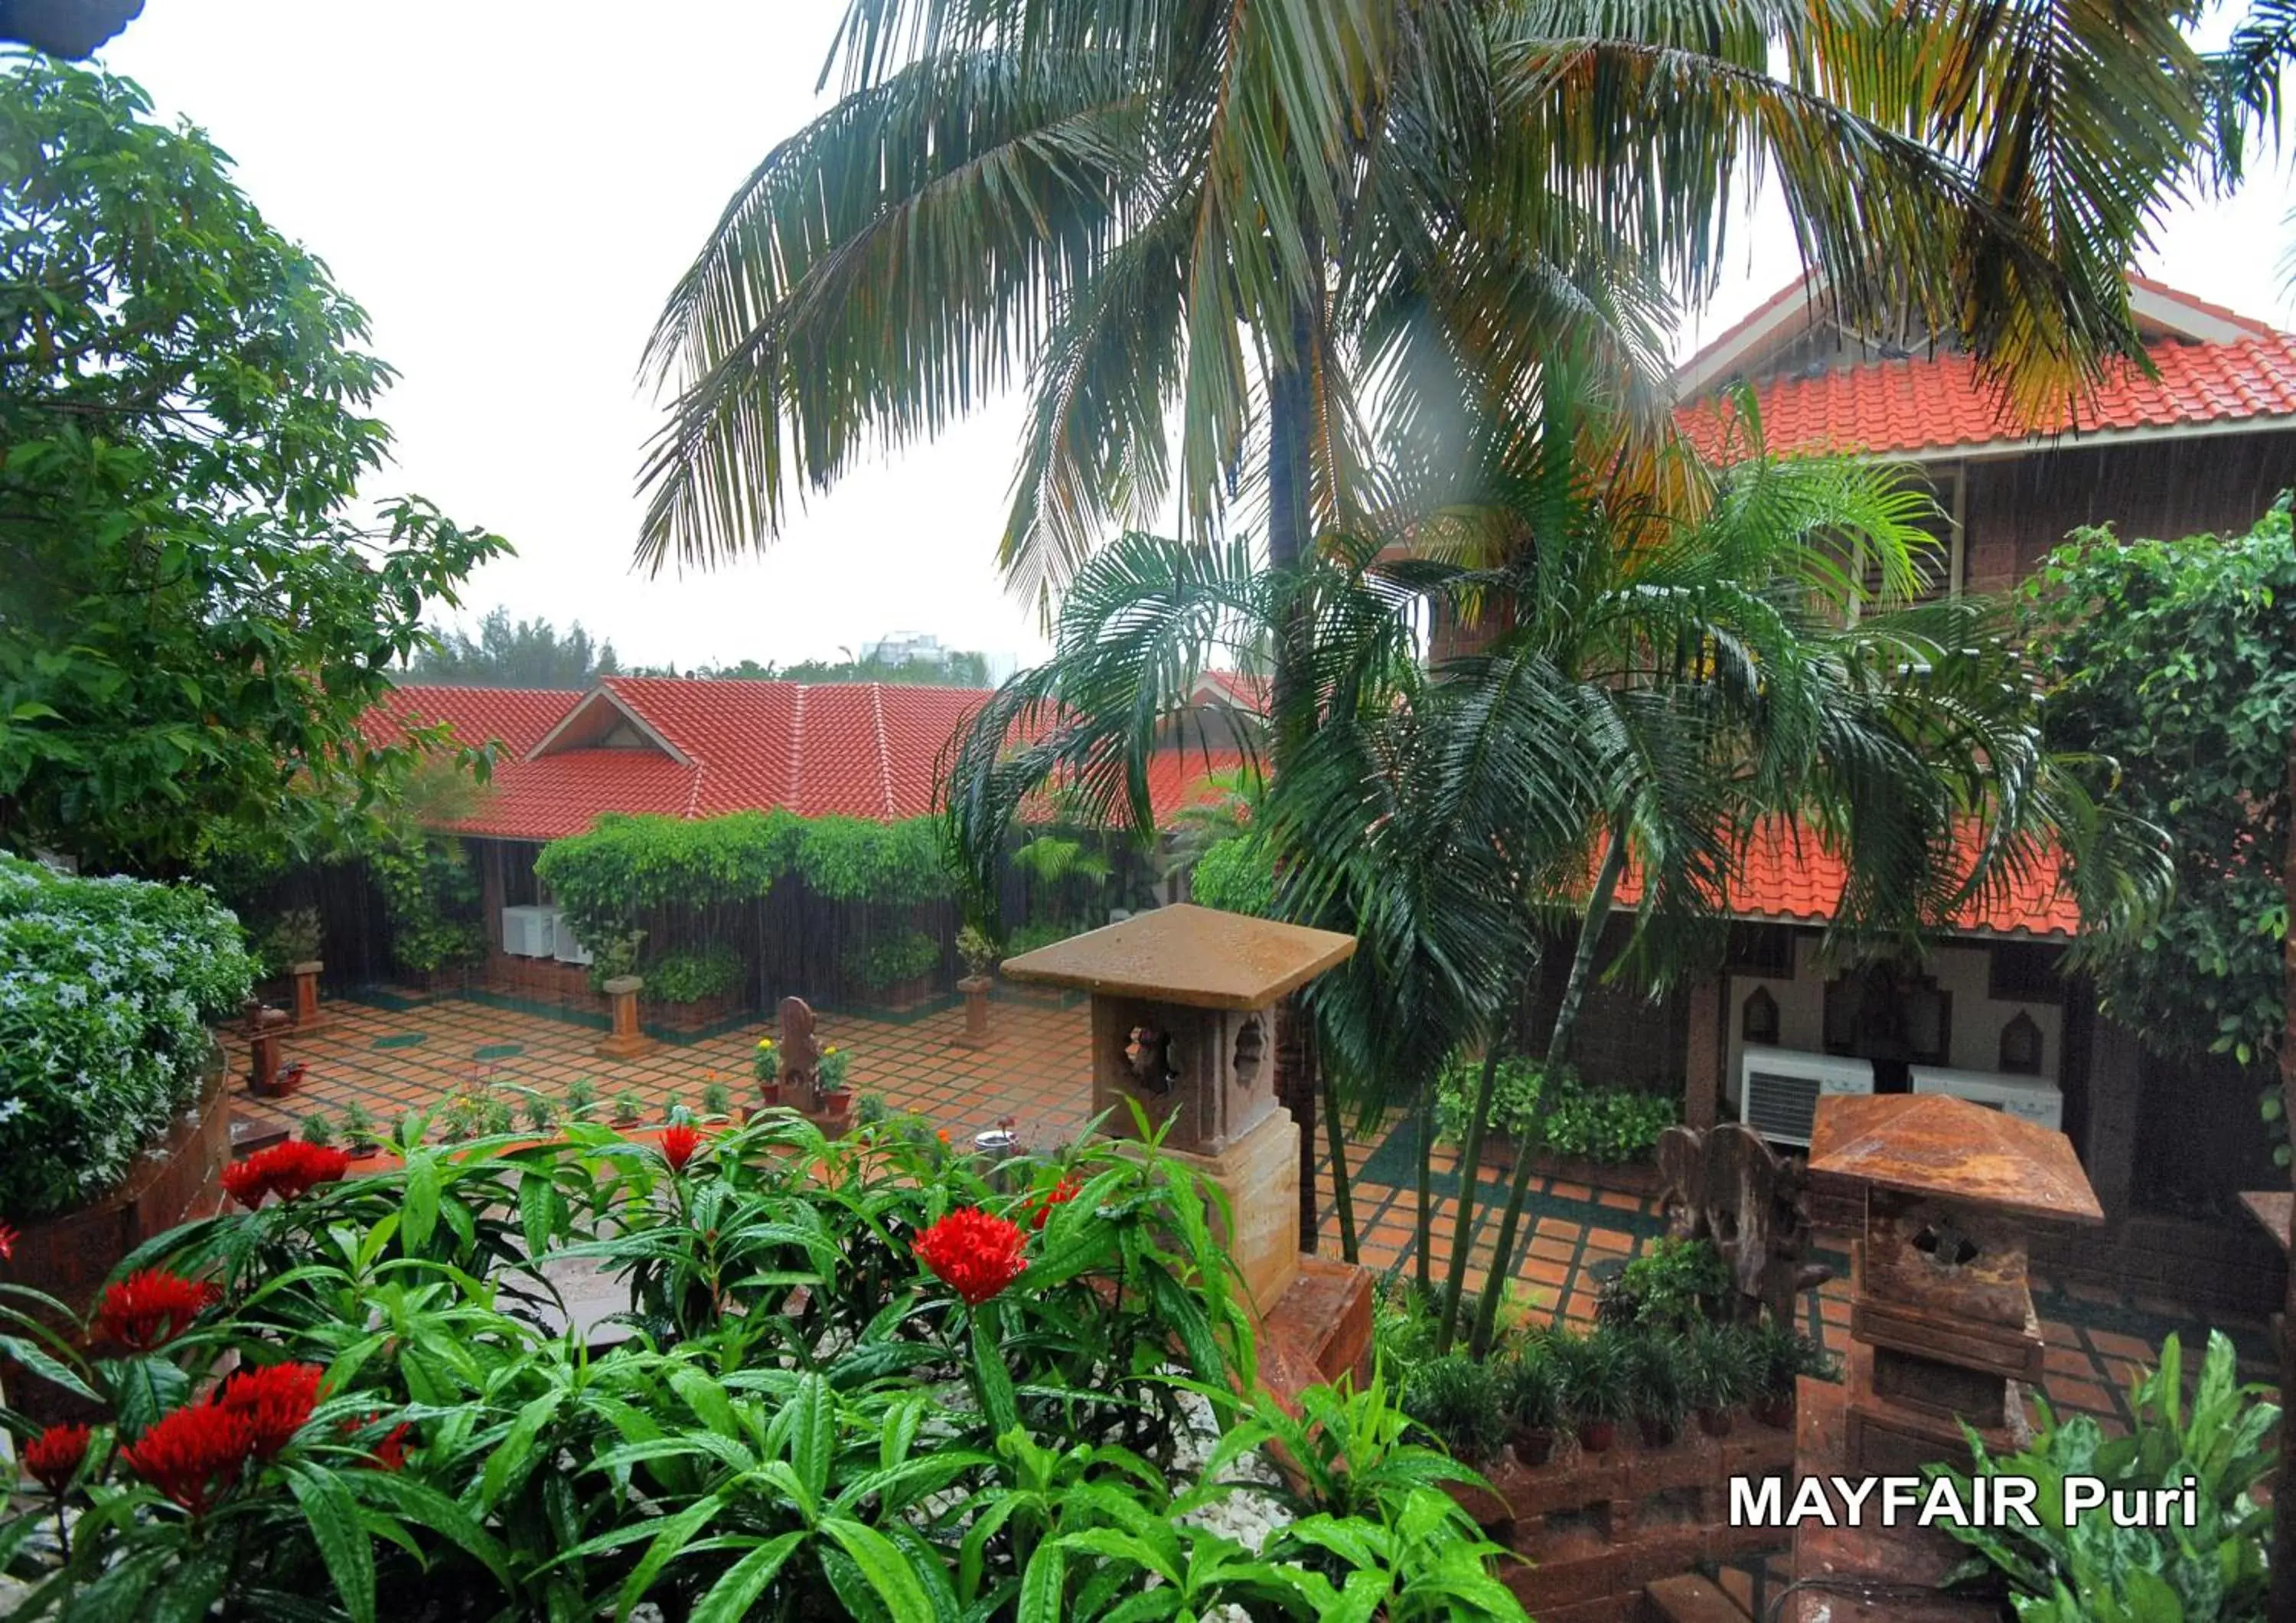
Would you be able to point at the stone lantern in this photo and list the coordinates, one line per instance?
(1183, 1025)
(1942, 1328)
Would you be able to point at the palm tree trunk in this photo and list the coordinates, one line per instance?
(1343, 1201)
(1471, 1152)
(1426, 1190)
(1558, 1050)
(1289, 470)
(2284, 1524)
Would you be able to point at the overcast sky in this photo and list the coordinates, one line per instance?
(511, 196)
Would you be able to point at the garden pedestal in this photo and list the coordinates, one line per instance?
(975, 988)
(627, 1039)
(307, 1017)
(267, 1029)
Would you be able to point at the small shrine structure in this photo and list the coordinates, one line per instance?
(1183, 1025)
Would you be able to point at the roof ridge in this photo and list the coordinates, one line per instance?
(693, 790)
(794, 797)
(884, 750)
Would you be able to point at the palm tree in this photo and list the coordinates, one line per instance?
(1267, 234)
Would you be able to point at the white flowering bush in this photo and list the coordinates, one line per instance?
(107, 989)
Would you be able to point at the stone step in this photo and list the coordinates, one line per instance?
(1689, 1598)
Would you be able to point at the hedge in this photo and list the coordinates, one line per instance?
(107, 990)
(1237, 874)
(610, 877)
(874, 966)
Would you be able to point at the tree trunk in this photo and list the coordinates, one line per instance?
(1426, 1192)
(1290, 699)
(1558, 1050)
(2284, 1496)
(1343, 1201)
(1471, 1153)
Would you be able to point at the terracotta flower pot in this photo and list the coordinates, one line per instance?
(769, 1093)
(1596, 1435)
(1533, 1446)
(362, 1149)
(1777, 1411)
(282, 1082)
(1716, 1422)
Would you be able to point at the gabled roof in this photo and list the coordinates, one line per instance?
(2217, 372)
(1789, 880)
(695, 748)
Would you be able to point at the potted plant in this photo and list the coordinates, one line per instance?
(1717, 1374)
(318, 1129)
(836, 1092)
(581, 1099)
(541, 1113)
(1595, 1392)
(1531, 1394)
(629, 1111)
(494, 1119)
(360, 1136)
(979, 951)
(767, 1068)
(1655, 1384)
(1455, 1400)
(716, 1100)
(284, 1079)
(1782, 1354)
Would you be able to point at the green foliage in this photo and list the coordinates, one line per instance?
(961, 669)
(293, 938)
(1608, 1125)
(529, 654)
(977, 949)
(358, 1124)
(615, 957)
(581, 1100)
(836, 1064)
(318, 1128)
(107, 990)
(1039, 932)
(611, 878)
(2175, 664)
(1594, 1373)
(852, 859)
(1717, 1365)
(1237, 874)
(716, 1101)
(807, 1423)
(1671, 1285)
(431, 901)
(691, 976)
(540, 1110)
(1781, 1355)
(887, 962)
(190, 627)
(1530, 1387)
(1653, 1364)
(2222, 1442)
(1456, 1400)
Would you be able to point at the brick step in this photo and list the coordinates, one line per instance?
(1688, 1598)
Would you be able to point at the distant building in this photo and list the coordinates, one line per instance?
(898, 648)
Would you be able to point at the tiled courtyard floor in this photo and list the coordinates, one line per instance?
(395, 1053)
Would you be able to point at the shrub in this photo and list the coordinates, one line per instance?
(1717, 1367)
(1672, 1285)
(610, 878)
(858, 1447)
(1592, 1371)
(1530, 1387)
(1605, 1124)
(318, 1128)
(431, 901)
(977, 949)
(1651, 1361)
(874, 965)
(1455, 1399)
(852, 859)
(686, 977)
(1782, 1354)
(1039, 932)
(107, 989)
(2221, 1444)
(1237, 874)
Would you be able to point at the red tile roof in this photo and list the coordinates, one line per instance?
(850, 750)
(1939, 402)
(1798, 880)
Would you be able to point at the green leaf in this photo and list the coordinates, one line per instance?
(343, 1543)
(730, 1599)
(40, 1363)
(884, 1568)
(996, 1380)
(420, 1212)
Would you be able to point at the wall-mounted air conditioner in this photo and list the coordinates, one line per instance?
(569, 950)
(1779, 1088)
(527, 932)
(2034, 1098)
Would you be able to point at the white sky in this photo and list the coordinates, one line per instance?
(511, 196)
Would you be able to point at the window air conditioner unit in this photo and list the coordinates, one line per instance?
(569, 949)
(2034, 1098)
(1779, 1088)
(527, 932)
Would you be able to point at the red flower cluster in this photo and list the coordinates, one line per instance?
(199, 1452)
(288, 1170)
(678, 1143)
(52, 1457)
(151, 1307)
(275, 1399)
(391, 1452)
(1067, 1189)
(975, 1253)
(7, 1243)
(194, 1456)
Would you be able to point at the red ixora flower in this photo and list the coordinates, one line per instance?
(151, 1307)
(290, 1171)
(390, 1453)
(976, 1253)
(276, 1401)
(678, 1144)
(194, 1456)
(52, 1457)
(1067, 1189)
(7, 1243)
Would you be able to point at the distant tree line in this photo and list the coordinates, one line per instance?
(527, 653)
(959, 670)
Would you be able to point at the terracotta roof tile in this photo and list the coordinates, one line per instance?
(1939, 402)
(830, 750)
